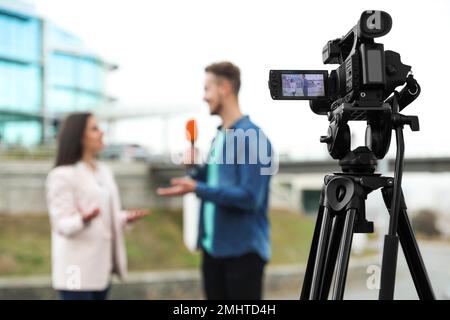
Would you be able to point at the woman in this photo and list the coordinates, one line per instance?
(85, 213)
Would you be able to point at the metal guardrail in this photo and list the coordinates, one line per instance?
(163, 163)
(41, 153)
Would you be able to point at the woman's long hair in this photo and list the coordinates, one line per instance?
(70, 146)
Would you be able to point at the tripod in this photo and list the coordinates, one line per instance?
(342, 213)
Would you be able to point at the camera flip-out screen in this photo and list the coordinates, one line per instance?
(303, 85)
(298, 84)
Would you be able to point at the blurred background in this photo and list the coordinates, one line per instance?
(139, 66)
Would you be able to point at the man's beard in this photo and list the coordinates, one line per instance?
(217, 109)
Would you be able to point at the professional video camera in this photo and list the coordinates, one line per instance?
(363, 87)
(357, 89)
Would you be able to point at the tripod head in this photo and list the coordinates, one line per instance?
(381, 120)
(371, 78)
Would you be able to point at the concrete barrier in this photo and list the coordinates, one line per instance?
(280, 282)
(22, 186)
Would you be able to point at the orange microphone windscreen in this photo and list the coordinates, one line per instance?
(191, 131)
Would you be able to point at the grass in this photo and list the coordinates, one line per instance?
(155, 243)
(24, 245)
(291, 237)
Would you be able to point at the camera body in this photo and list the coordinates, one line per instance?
(362, 88)
(366, 76)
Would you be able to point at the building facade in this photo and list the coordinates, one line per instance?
(45, 72)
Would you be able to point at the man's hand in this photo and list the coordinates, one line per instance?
(180, 186)
(136, 214)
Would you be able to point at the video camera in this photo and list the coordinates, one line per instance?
(361, 88)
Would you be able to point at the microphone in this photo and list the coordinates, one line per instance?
(191, 205)
(191, 136)
(191, 131)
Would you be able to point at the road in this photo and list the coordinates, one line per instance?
(437, 261)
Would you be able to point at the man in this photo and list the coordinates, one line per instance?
(234, 233)
(305, 85)
(293, 85)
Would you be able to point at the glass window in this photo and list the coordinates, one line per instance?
(21, 132)
(19, 87)
(90, 75)
(76, 72)
(20, 39)
(76, 83)
(61, 71)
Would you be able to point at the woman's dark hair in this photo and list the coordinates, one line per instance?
(70, 136)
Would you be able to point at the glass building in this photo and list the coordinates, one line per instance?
(45, 72)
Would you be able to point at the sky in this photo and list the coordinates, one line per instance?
(162, 47)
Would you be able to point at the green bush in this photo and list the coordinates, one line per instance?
(154, 243)
(424, 223)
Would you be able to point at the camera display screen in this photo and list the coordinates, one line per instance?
(303, 84)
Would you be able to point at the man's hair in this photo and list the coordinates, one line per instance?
(228, 71)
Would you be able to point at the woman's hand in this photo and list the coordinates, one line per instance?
(136, 214)
(87, 217)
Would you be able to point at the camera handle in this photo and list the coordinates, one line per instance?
(408, 94)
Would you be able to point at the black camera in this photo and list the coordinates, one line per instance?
(367, 74)
(362, 88)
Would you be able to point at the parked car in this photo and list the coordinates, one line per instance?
(125, 152)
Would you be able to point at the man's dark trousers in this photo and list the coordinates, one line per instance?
(236, 278)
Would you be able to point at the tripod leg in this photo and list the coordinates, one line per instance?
(414, 258)
(333, 248)
(411, 250)
(306, 287)
(390, 253)
(322, 245)
(344, 255)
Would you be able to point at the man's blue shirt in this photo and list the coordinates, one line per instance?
(240, 222)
